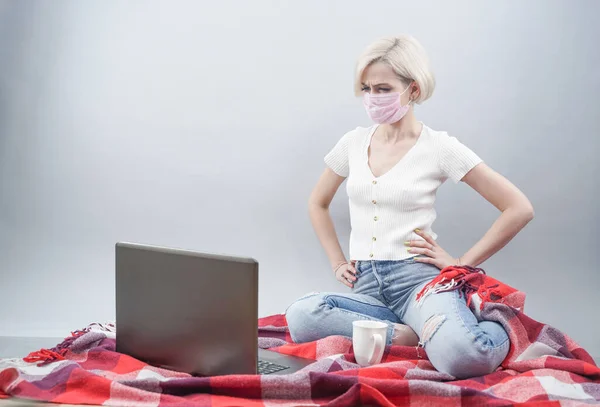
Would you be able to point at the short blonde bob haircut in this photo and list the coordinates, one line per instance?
(405, 55)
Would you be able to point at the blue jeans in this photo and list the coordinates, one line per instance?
(455, 341)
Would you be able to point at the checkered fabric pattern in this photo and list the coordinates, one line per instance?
(544, 368)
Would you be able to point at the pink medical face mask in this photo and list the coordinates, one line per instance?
(385, 107)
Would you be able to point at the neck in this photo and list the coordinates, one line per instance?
(407, 127)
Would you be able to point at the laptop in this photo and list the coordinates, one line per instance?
(192, 312)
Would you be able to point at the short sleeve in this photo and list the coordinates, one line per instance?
(456, 159)
(337, 158)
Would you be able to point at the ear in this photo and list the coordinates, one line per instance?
(414, 91)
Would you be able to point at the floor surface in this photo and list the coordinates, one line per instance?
(16, 347)
(27, 403)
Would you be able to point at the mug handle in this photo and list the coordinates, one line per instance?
(377, 349)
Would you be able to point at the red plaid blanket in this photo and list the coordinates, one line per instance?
(544, 368)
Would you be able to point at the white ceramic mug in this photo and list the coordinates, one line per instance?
(368, 341)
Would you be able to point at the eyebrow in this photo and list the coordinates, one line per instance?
(378, 84)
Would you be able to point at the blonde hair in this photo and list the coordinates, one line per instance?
(405, 55)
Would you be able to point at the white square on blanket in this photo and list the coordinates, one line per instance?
(560, 390)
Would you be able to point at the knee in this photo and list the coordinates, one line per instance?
(302, 316)
(463, 358)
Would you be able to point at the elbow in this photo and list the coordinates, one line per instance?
(527, 212)
(530, 215)
(522, 213)
(314, 204)
(318, 202)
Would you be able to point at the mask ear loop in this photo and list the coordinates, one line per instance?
(407, 88)
(410, 101)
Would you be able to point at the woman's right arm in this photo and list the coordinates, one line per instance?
(318, 205)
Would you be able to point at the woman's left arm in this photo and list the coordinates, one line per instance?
(516, 212)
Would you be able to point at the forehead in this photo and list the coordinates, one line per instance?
(379, 72)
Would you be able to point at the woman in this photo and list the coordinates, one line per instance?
(394, 169)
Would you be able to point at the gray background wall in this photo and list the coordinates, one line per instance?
(203, 125)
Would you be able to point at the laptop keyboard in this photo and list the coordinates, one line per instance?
(265, 367)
